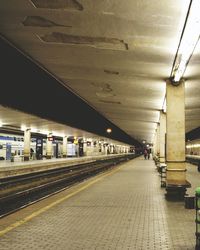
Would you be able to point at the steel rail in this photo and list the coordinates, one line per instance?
(16, 195)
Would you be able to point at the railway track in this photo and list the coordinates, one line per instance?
(194, 159)
(20, 191)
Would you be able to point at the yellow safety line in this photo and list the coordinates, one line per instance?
(42, 210)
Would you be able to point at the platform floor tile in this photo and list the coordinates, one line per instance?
(126, 210)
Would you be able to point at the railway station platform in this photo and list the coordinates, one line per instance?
(8, 168)
(121, 209)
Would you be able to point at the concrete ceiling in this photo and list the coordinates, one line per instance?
(14, 121)
(114, 54)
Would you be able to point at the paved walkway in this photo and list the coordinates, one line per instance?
(125, 210)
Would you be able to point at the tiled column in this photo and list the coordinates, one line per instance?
(85, 147)
(106, 149)
(158, 140)
(175, 138)
(111, 149)
(49, 146)
(65, 146)
(27, 143)
(155, 144)
(162, 136)
(102, 148)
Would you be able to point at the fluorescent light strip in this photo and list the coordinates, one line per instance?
(189, 40)
(193, 146)
(164, 107)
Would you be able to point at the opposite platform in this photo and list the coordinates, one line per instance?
(8, 168)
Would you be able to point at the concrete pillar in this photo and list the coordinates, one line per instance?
(85, 147)
(175, 138)
(92, 148)
(154, 144)
(106, 149)
(102, 148)
(27, 144)
(65, 146)
(158, 140)
(111, 149)
(162, 136)
(49, 146)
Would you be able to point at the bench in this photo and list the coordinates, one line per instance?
(155, 158)
(161, 167)
(162, 171)
(176, 188)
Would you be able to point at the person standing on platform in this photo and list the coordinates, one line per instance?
(31, 153)
(145, 153)
(148, 153)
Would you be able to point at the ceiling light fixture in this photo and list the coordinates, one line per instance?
(23, 128)
(188, 41)
(164, 107)
(34, 130)
(108, 130)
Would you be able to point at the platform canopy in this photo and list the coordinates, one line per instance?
(115, 55)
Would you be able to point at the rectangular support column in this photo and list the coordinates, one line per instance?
(158, 140)
(176, 182)
(162, 136)
(65, 146)
(49, 146)
(27, 144)
(102, 149)
(154, 145)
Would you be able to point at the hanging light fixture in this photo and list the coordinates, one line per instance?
(189, 39)
(108, 130)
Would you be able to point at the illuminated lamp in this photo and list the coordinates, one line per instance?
(188, 42)
(108, 130)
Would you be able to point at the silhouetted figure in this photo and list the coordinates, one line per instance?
(145, 154)
(31, 153)
(148, 153)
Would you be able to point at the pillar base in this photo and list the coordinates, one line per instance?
(175, 193)
(176, 187)
(48, 157)
(26, 158)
